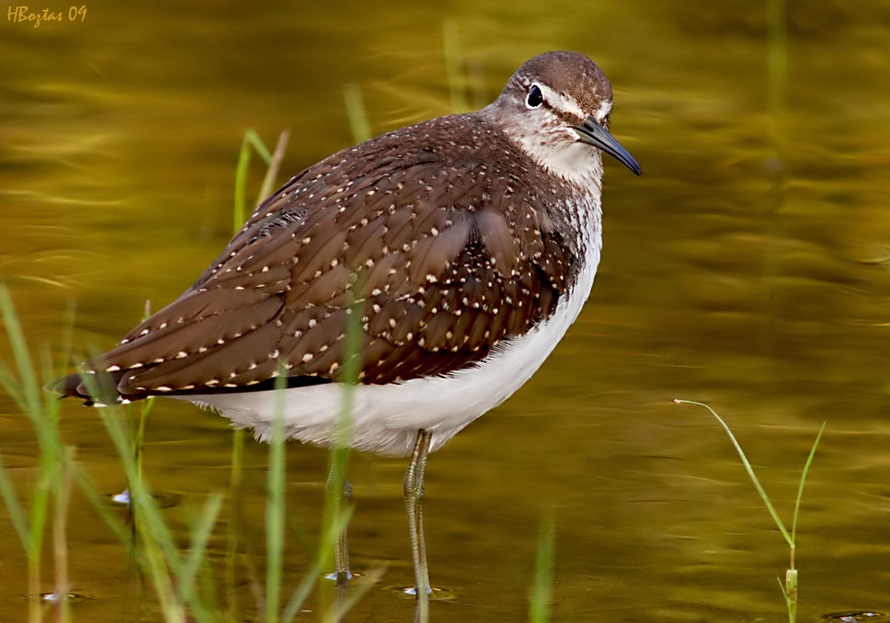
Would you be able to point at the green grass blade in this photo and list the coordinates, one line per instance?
(201, 531)
(760, 490)
(275, 502)
(240, 211)
(355, 593)
(803, 480)
(159, 551)
(541, 593)
(40, 505)
(454, 66)
(251, 140)
(13, 506)
(62, 496)
(320, 563)
(29, 387)
(30, 523)
(356, 113)
(88, 488)
(12, 386)
(233, 526)
(274, 167)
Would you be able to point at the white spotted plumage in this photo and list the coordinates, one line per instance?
(385, 418)
(480, 215)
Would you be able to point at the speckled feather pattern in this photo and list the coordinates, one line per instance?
(450, 239)
(443, 273)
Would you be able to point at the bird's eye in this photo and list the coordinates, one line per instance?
(535, 97)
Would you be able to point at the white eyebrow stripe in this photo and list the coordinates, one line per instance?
(561, 103)
(604, 110)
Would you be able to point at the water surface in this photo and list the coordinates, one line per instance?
(747, 268)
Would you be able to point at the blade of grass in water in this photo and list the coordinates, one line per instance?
(252, 141)
(195, 557)
(62, 496)
(748, 468)
(541, 594)
(789, 588)
(172, 574)
(275, 503)
(13, 506)
(56, 472)
(26, 390)
(803, 480)
(356, 113)
(457, 81)
(335, 513)
(23, 385)
(273, 160)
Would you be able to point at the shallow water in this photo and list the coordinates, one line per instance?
(747, 268)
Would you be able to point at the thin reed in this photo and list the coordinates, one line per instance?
(789, 587)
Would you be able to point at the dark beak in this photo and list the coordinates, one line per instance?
(594, 134)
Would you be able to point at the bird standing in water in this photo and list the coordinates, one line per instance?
(461, 249)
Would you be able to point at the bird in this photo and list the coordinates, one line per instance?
(456, 252)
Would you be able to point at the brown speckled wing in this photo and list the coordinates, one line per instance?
(444, 258)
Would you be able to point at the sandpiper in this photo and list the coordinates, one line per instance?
(461, 248)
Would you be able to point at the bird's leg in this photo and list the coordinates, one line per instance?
(339, 487)
(413, 489)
